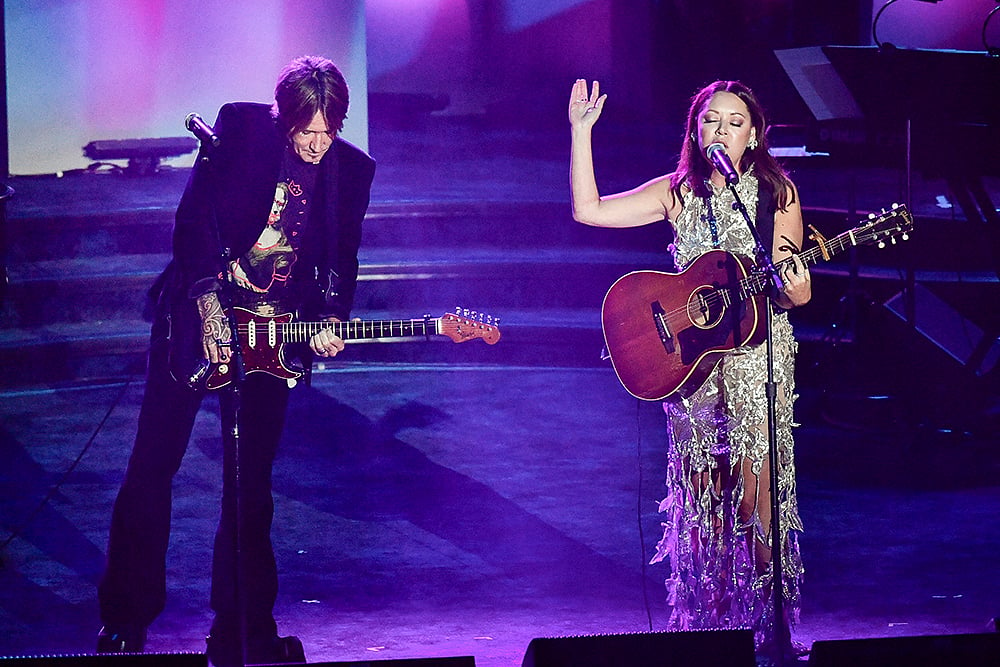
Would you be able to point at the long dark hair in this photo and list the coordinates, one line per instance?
(307, 85)
(693, 168)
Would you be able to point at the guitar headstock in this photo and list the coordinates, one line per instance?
(465, 324)
(889, 225)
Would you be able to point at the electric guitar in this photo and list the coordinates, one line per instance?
(263, 338)
(665, 332)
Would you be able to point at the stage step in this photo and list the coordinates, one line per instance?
(83, 253)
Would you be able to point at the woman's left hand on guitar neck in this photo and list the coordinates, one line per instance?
(796, 284)
(788, 236)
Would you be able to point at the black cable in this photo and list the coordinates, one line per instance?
(52, 491)
(875, 23)
(638, 512)
(986, 45)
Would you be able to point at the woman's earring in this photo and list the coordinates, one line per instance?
(752, 145)
(694, 138)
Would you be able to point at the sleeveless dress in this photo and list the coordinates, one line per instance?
(720, 433)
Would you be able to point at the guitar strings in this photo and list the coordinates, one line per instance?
(299, 331)
(752, 283)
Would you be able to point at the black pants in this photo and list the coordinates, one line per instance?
(132, 591)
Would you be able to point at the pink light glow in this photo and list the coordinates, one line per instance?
(123, 43)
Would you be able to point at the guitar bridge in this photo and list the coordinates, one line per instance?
(662, 330)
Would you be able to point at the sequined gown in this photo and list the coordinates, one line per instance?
(715, 580)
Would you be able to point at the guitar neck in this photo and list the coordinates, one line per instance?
(301, 332)
(759, 282)
(834, 246)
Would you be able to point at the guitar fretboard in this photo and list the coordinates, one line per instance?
(301, 332)
(759, 282)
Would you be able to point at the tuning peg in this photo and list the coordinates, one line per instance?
(906, 237)
(881, 244)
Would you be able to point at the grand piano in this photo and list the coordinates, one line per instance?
(931, 110)
(927, 110)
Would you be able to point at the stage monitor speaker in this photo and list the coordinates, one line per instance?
(972, 650)
(460, 661)
(108, 660)
(719, 648)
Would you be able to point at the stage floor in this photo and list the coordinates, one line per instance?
(444, 511)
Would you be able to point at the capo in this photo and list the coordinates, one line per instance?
(820, 241)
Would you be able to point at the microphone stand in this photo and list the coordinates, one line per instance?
(782, 631)
(208, 143)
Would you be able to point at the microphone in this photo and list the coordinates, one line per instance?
(199, 128)
(717, 155)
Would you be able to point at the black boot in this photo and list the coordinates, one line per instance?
(225, 652)
(279, 650)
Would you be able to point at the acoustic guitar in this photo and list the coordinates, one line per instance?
(665, 332)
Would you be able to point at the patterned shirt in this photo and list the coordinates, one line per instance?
(265, 275)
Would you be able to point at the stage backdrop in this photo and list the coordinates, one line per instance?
(82, 70)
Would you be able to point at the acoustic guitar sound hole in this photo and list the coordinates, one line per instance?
(705, 307)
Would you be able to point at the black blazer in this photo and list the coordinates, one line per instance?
(228, 198)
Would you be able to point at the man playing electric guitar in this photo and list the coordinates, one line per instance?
(285, 197)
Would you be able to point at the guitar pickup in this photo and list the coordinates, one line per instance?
(662, 330)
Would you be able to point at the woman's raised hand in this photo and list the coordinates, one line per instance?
(584, 109)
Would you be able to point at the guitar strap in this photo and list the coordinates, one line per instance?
(767, 205)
